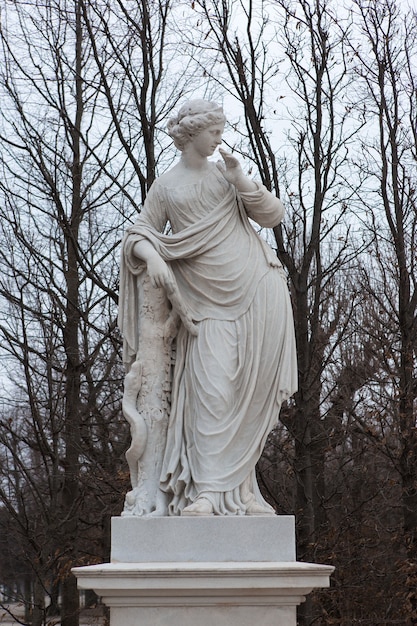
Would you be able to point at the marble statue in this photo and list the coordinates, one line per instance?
(208, 331)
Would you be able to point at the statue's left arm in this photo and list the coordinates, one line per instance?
(260, 204)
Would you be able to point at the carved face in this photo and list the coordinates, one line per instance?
(206, 141)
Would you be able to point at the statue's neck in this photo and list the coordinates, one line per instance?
(191, 160)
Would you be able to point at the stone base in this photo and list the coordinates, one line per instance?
(217, 570)
(202, 539)
(203, 594)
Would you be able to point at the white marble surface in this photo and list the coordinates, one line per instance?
(203, 594)
(203, 571)
(205, 616)
(202, 539)
(235, 360)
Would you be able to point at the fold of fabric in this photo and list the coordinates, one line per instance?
(230, 380)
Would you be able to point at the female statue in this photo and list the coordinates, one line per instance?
(235, 349)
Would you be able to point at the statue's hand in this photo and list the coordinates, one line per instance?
(230, 167)
(233, 173)
(159, 272)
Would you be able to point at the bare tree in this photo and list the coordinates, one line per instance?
(57, 268)
(86, 92)
(388, 76)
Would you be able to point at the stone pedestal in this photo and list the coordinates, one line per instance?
(228, 571)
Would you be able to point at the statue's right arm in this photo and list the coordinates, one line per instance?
(157, 267)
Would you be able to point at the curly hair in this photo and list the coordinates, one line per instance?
(193, 117)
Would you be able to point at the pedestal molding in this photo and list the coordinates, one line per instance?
(187, 589)
(172, 578)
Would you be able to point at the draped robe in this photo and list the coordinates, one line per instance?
(231, 378)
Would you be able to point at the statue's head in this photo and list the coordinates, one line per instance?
(193, 117)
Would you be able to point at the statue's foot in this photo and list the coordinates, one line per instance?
(201, 506)
(254, 508)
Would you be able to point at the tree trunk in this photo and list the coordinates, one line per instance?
(71, 491)
(38, 612)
